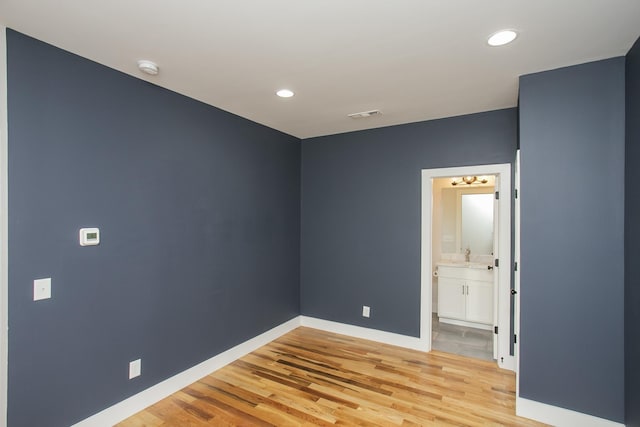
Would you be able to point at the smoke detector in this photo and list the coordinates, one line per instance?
(148, 67)
(364, 114)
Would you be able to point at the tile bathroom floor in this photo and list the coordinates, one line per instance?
(462, 340)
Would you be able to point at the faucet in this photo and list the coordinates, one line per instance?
(467, 253)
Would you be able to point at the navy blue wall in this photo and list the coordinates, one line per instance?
(572, 233)
(199, 214)
(632, 240)
(361, 203)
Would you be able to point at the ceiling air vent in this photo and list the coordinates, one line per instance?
(365, 114)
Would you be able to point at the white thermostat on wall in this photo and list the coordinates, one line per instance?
(89, 236)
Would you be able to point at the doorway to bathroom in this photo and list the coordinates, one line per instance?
(466, 262)
(463, 297)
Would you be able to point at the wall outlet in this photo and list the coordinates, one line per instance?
(135, 368)
(42, 289)
(366, 311)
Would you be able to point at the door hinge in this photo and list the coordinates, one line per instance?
(515, 266)
(516, 193)
(496, 262)
(515, 339)
(497, 195)
(495, 330)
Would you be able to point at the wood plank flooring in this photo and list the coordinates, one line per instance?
(310, 377)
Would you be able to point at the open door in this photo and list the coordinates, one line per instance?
(496, 256)
(515, 291)
(503, 268)
(4, 277)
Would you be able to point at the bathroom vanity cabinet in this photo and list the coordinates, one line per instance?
(465, 295)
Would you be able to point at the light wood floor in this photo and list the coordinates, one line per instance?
(311, 377)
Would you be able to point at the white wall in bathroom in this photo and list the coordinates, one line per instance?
(436, 234)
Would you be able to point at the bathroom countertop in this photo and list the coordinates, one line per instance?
(462, 264)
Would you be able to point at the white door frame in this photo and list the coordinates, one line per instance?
(4, 277)
(503, 171)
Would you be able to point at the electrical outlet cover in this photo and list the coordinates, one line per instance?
(42, 289)
(135, 368)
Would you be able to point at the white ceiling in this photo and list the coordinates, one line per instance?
(413, 59)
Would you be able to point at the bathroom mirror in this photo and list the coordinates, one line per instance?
(467, 220)
(477, 223)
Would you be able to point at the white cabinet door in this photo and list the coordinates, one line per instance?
(451, 298)
(479, 301)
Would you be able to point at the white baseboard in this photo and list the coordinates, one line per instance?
(136, 403)
(557, 416)
(525, 408)
(366, 333)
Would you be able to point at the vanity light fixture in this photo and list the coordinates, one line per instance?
(285, 93)
(469, 180)
(502, 37)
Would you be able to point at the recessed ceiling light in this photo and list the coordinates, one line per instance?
(148, 67)
(502, 37)
(285, 93)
